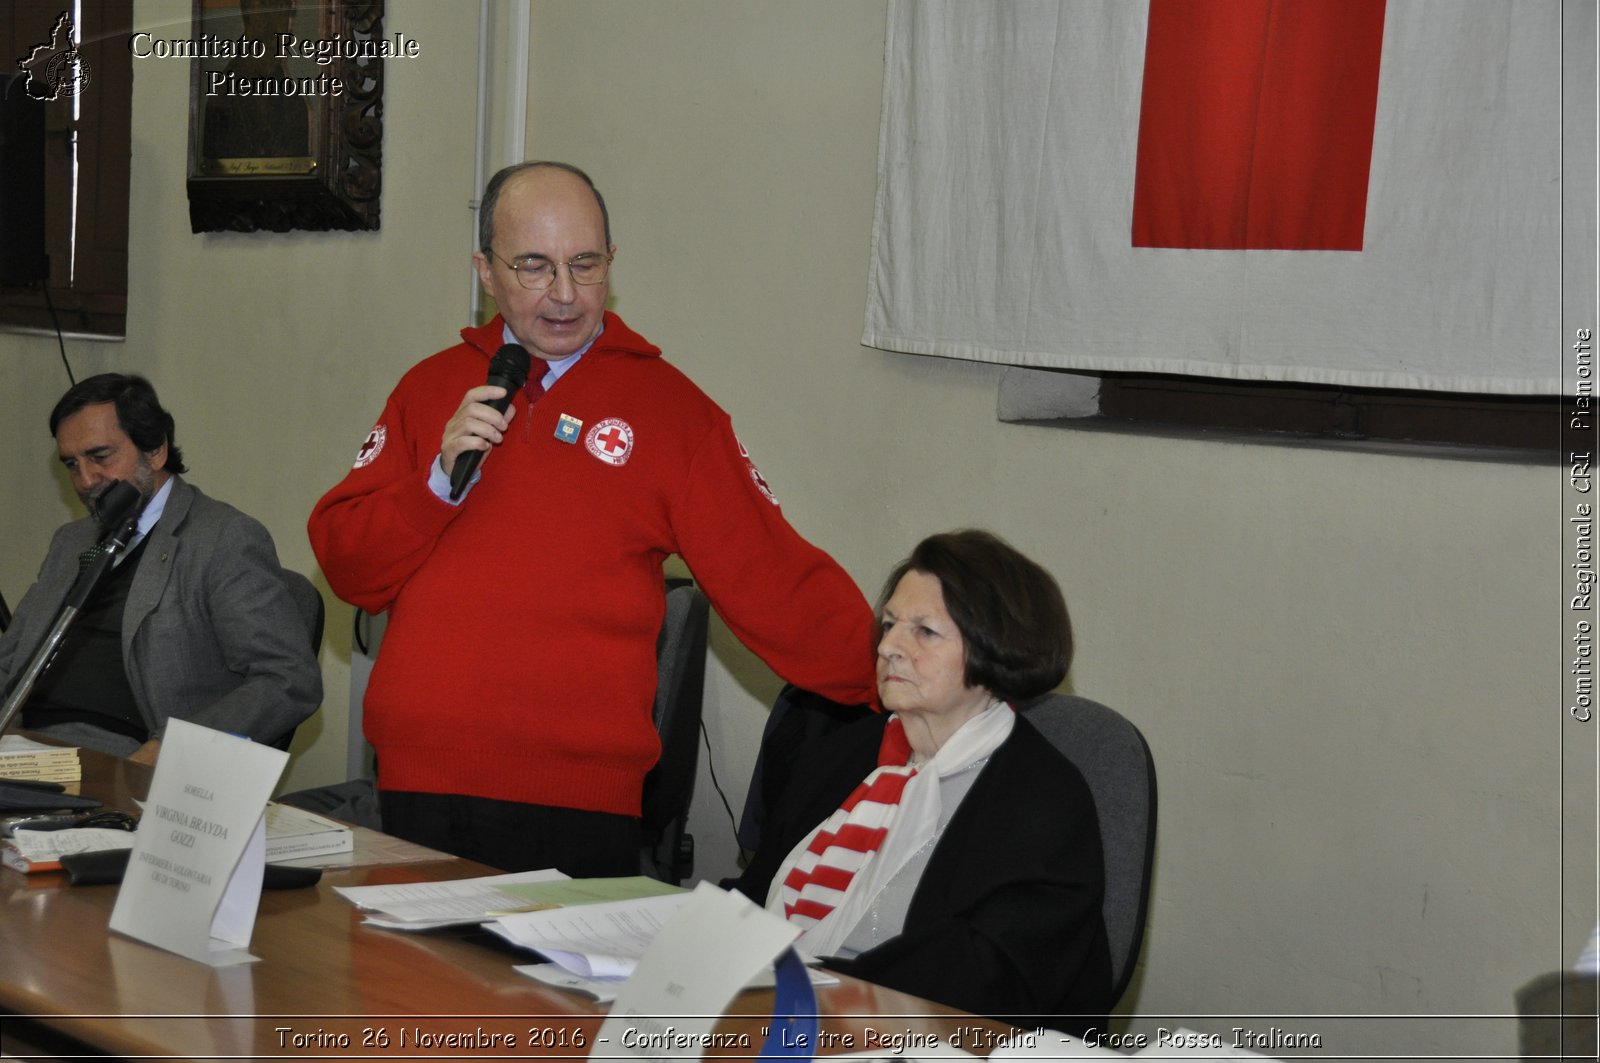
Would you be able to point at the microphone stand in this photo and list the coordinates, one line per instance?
(103, 555)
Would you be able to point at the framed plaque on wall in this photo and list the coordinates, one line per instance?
(286, 114)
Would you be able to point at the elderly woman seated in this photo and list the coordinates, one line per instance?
(945, 848)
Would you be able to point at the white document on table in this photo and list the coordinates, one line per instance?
(454, 902)
(593, 940)
(605, 990)
(699, 960)
(44, 846)
(193, 882)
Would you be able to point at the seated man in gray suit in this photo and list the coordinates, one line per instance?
(196, 621)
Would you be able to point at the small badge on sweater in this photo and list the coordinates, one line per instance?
(611, 441)
(567, 428)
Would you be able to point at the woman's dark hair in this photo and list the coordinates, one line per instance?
(139, 412)
(1008, 608)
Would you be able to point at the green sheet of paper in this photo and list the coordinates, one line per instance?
(588, 890)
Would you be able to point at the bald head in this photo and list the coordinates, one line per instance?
(516, 171)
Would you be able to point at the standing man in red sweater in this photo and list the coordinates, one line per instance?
(510, 704)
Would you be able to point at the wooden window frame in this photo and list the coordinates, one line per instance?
(87, 290)
(1516, 422)
(1517, 428)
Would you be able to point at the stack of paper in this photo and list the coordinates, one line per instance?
(41, 850)
(454, 902)
(293, 834)
(23, 758)
(593, 948)
(593, 940)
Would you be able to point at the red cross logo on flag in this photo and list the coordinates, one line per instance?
(1256, 124)
(372, 447)
(611, 441)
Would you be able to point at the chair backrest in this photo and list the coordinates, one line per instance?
(5, 614)
(309, 601)
(680, 687)
(1116, 763)
(1556, 1016)
(798, 718)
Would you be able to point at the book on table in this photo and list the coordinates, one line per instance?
(294, 834)
(23, 758)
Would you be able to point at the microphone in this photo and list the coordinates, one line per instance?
(116, 510)
(116, 507)
(507, 369)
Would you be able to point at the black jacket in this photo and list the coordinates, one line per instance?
(1006, 920)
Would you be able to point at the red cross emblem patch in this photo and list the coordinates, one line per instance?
(755, 473)
(372, 447)
(611, 441)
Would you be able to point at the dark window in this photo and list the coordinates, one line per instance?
(86, 148)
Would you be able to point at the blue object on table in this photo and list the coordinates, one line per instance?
(794, 1012)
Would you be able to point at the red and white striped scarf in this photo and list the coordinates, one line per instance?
(847, 840)
(846, 879)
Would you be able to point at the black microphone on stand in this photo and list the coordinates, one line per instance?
(116, 511)
(507, 369)
(115, 505)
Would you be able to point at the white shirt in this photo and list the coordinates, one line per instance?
(147, 519)
(439, 480)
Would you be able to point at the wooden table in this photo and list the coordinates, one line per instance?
(328, 987)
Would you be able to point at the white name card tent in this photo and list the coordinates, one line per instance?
(706, 953)
(193, 882)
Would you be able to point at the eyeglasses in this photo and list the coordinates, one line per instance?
(536, 273)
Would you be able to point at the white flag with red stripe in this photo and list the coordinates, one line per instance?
(1342, 192)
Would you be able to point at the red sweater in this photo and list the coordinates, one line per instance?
(519, 660)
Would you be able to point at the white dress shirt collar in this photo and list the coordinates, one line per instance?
(552, 370)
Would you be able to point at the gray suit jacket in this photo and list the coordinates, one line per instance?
(211, 632)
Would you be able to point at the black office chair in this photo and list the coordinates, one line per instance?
(667, 853)
(309, 600)
(1556, 1016)
(1121, 773)
(798, 718)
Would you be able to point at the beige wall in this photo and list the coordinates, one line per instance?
(1346, 664)
(274, 352)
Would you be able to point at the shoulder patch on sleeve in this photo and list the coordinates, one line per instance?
(755, 473)
(372, 447)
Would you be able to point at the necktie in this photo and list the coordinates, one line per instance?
(533, 389)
